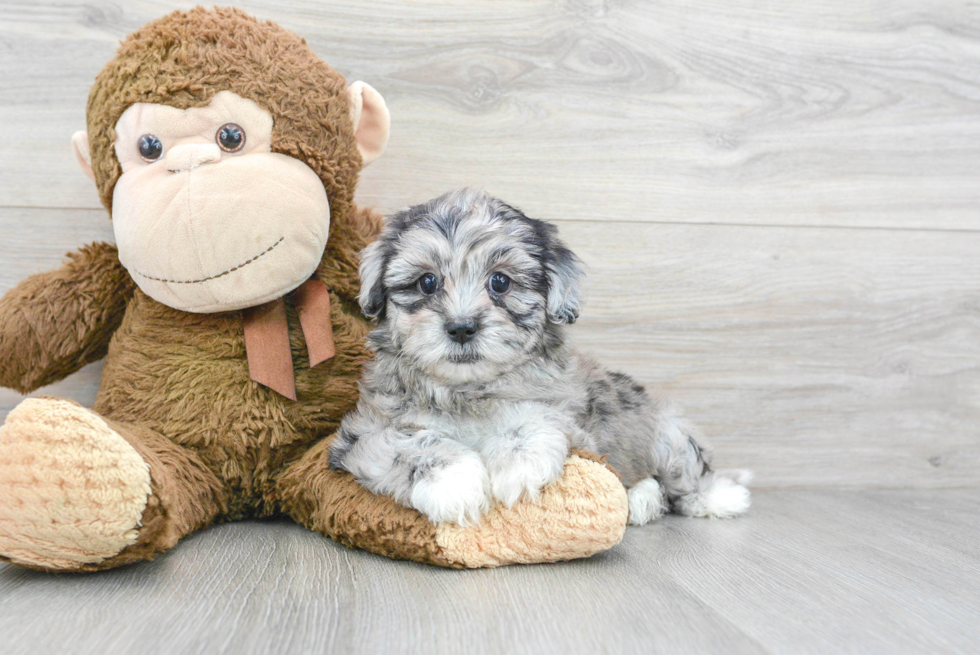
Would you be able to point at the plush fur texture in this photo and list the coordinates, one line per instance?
(52, 324)
(476, 397)
(176, 385)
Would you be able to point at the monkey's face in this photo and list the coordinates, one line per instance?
(207, 218)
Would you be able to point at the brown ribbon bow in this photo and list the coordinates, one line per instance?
(270, 361)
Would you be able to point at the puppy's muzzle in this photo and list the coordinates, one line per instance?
(462, 331)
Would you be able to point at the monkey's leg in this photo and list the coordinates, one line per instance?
(79, 492)
(581, 514)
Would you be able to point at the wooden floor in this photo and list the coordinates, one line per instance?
(779, 206)
(806, 572)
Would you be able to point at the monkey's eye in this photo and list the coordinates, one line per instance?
(230, 137)
(428, 284)
(499, 283)
(150, 148)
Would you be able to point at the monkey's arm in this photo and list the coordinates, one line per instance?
(54, 323)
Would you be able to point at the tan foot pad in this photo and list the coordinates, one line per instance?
(72, 491)
(581, 514)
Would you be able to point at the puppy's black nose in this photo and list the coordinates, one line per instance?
(462, 331)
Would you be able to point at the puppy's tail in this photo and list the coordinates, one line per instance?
(719, 494)
(743, 477)
(693, 487)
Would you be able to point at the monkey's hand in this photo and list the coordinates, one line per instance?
(54, 323)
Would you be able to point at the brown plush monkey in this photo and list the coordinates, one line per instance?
(227, 154)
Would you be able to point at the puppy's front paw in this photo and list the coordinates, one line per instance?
(456, 492)
(524, 474)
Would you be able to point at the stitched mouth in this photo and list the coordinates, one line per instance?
(215, 277)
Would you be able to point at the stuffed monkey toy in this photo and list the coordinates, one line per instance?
(227, 155)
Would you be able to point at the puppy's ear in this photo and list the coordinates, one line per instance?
(565, 271)
(373, 296)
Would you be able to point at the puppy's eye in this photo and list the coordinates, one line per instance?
(230, 137)
(150, 147)
(499, 283)
(428, 284)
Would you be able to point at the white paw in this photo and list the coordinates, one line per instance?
(646, 501)
(524, 476)
(456, 493)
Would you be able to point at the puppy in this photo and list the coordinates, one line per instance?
(474, 393)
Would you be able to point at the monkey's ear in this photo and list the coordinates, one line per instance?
(565, 271)
(372, 122)
(79, 145)
(373, 296)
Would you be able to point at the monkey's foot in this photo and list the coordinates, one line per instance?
(72, 490)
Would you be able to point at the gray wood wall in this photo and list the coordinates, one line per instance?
(779, 202)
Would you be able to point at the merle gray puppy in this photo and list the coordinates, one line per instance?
(474, 393)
